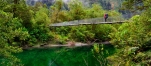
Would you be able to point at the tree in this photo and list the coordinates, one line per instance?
(134, 5)
(56, 11)
(11, 31)
(133, 39)
(39, 31)
(77, 10)
(95, 11)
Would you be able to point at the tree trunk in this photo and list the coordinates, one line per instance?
(16, 1)
(14, 8)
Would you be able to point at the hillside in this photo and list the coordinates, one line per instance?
(106, 4)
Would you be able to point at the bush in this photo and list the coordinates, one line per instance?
(102, 31)
(81, 33)
(39, 31)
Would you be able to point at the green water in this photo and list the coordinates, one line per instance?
(79, 56)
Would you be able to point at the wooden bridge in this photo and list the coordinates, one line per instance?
(110, 20)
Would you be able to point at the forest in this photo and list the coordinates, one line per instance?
(23, 25)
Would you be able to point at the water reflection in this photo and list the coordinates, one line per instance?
(63, 56)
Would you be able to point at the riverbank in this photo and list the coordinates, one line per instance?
(69, 44)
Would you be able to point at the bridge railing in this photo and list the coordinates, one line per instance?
(89, 21)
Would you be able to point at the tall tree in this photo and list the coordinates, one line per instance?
(12, 33)
(11, 30)
(56, 9)
(77, 10)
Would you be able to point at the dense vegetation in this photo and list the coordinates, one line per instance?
(133, 39)
(22, 25)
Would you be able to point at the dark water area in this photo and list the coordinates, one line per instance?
(63, 56)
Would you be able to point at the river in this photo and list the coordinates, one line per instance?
(65, 56)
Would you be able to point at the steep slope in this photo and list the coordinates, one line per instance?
(32, 2)
(106, 4)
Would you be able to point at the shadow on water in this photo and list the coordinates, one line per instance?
(63, 56)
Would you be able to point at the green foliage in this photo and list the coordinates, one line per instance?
(81, 33)
(63, 30)
(8, 59)
(102, 31)
(41, 17)
(143, 58)
(86, 33)
(77, 10)
(133, 41)
(34, 22)
(126, 37)
(96, 48)
(101, 52)
(14, 26)
(40, 26)
(130, 34)
(22, 12)
(60, 39)
(61, 34)
(21, 27)
(57, 15)
(10, 28)
(95, 11)
(136, 5)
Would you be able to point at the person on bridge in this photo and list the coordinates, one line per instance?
(105, 16)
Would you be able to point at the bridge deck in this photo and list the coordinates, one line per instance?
(74, 24)
(110, 20)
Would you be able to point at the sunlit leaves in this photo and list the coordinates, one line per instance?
(40, 26)
(95, 11)
(9, 28)
(77, 10)
(41, 17)
(135, 36)
(96, 48)
(129, 33)
(56, 11)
